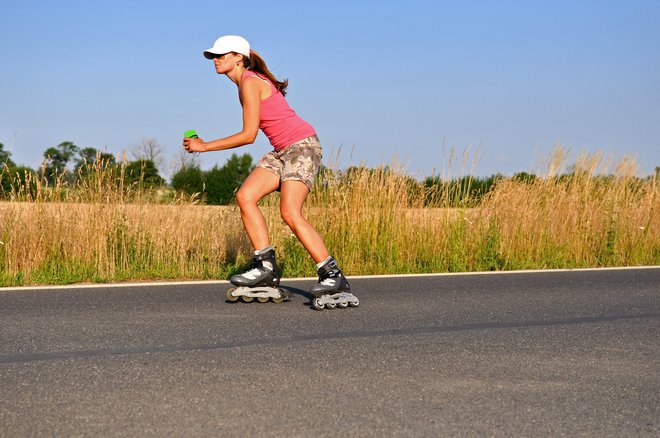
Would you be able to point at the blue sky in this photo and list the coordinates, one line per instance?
(377, 79)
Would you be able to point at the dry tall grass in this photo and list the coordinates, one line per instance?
(582, 220)
(373, 220)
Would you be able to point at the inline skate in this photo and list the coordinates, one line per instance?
(260, 282)
(332, 289)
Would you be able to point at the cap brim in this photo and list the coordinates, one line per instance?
(210, 55)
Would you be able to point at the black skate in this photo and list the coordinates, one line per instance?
(332, 289)
(260, 282)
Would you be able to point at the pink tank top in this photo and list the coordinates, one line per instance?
(279, 122)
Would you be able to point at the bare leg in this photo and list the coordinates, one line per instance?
(292, 199)
(258, 184)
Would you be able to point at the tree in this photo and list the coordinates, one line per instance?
(89, 157)
(92, 155)
(149, 150)
(56, 160)
(143, 173)
(465, 191)
(13, 177)
(189, 179)
(222, 183)
(524, 177)
(183, 159)
(17, 180)
(6, 166)
(5, 159)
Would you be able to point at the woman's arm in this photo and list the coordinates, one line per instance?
(250, 94)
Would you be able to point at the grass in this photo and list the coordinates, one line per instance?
(374, 221)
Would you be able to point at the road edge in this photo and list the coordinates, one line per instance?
(290, 280)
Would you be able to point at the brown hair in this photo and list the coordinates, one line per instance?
(257, 64)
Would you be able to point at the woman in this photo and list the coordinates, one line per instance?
(291, 168)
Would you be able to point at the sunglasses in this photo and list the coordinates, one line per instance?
(220, 56)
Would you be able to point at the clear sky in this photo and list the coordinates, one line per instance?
(380, 79)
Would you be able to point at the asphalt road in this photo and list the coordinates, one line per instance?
(522, 354)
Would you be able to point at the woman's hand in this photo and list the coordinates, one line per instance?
(194, 145)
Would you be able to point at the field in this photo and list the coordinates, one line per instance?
(375, 221)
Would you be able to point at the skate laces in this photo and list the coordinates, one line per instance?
(331, 279)
(328, 282)
(252, 274)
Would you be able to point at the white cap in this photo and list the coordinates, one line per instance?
(229, 43)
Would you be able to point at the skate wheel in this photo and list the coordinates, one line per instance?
(231, 298)
(262, 299)
(354, 303)
(330, 306)
(343, 305)
(247, 299)
(316, 303)
(283, 296)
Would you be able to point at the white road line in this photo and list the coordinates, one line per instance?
(290, 280)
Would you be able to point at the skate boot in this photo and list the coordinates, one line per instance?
(260, 282)
(332, 289)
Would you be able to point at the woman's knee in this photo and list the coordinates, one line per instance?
(257, 185)
(246, 197)
(291, 216)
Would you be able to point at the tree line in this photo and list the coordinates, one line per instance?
(68, 164)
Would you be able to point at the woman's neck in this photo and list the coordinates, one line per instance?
(236, 75)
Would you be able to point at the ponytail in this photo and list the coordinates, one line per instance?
(257, 64)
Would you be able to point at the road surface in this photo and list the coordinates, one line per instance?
(523, 354)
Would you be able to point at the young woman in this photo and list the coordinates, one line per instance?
(291, 168)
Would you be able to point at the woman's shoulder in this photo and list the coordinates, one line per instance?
(263, 84)
(252, 74)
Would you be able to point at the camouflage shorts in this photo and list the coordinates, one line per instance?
(297, 162)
